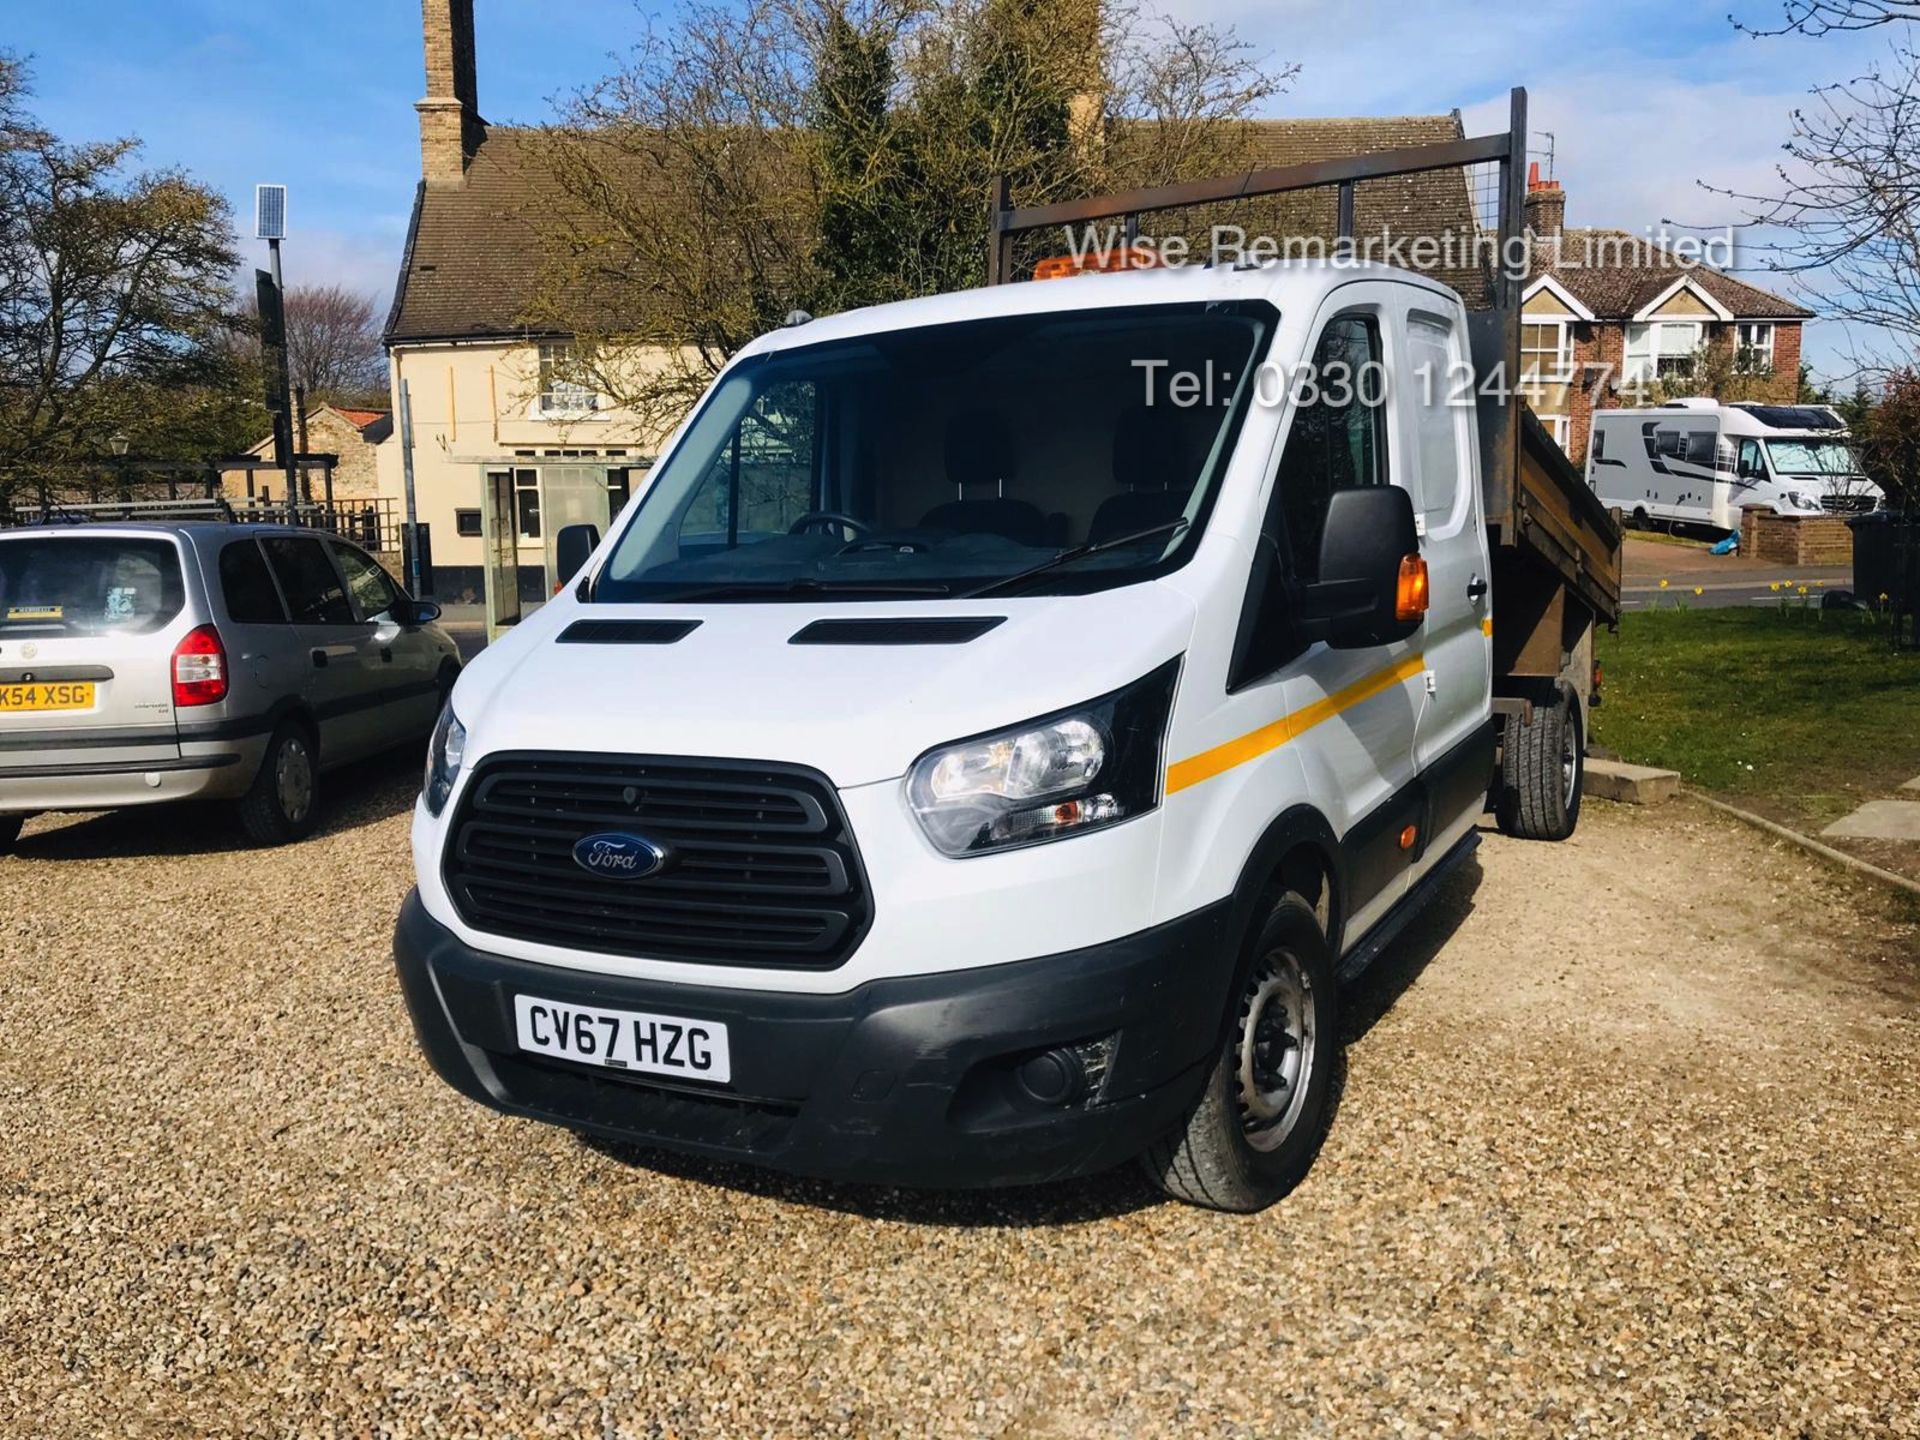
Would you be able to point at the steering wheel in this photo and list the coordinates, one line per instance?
(820, 519)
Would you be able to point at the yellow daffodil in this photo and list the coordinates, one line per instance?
(1663, 584)
(1775, 585)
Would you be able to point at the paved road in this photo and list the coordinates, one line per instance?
(1626, 1147)
(1721, 580)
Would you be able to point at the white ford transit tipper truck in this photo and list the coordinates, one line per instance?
(1003, 722)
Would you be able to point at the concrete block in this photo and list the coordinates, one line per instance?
(1879, 820)
(1633, 784)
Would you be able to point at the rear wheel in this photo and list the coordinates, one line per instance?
(1254, 1132)
(282, 804)
(10, 831)
(1542, 768)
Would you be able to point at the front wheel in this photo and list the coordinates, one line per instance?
(1257, 1126)
(1543, 767)
(282, 804)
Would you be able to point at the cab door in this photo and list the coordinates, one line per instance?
(1454, 738)
(1356, 709)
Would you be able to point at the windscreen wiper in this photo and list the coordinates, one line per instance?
(1067, 557)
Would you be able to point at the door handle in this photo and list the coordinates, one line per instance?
(319, 659)
(386, 652)
(1476, 587)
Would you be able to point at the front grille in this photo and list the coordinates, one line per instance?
(1848, 504)
(761, 868)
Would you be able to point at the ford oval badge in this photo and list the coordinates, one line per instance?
(617, 856)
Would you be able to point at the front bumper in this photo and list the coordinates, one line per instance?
(903, 1081)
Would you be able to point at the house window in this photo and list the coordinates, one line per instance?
(466, 522)
(562, 391)
(1753, 348)
(1558, 426)
(1662, 350)
(1546, 351)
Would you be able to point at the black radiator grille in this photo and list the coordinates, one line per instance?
(761, 868)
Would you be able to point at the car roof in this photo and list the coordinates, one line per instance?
(1287, 284)
(189, 529)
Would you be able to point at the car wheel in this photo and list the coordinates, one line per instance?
(1543, 769)
(1641, 520)
(10, 831)
(1258, 1124)
(283, 803)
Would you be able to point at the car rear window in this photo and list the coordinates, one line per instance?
(251, 598)
(88, 585)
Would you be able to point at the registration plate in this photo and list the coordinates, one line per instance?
(42, 695)
(623, 1039)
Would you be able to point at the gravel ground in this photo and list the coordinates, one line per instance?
(1628, 1146)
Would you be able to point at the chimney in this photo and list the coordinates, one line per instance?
(450, 124)
(1546, 205)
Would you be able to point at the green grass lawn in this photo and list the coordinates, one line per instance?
(1798, 714)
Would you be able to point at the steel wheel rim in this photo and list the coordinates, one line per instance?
(293, 779)
(1274, 1049)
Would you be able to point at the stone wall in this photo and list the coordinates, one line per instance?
(1794, 539)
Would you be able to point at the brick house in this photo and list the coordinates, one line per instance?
(352, 435)
(1610, 318)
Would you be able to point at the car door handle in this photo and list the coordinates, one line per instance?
(319, 659)
(1476, 587)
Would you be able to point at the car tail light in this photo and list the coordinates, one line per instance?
(199, 668)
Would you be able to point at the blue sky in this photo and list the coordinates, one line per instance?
(1643, 97)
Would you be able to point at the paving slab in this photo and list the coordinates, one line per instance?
(1880, 820)
(1633, 784)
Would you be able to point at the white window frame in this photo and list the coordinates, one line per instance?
(1562, 351)
(1560, 427)
(1762, 353)
(1643, 368)
(560, 398)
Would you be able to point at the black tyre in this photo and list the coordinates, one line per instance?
(10, 831)
(283, 803)
(1640, 520)
(1543, 767)
(1257, 1126)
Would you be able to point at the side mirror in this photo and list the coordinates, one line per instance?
(423, 612)
(1372, 588)
(572, 547)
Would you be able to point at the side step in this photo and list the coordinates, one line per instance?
(1387, 929)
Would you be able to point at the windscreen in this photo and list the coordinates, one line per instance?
(63, 585)
(938, 460)
(1813, 457)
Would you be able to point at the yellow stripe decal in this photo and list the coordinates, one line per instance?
(1255, 743)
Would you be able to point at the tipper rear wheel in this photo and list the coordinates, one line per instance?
(1542, 768)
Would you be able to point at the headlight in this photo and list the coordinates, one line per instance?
(444, 752)
(1060, 775)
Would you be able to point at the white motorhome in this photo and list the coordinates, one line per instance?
(1699, 462)
(1005, 722)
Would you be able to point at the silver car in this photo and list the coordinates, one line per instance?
(142, 663)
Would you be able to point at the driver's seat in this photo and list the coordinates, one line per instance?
(979, 452)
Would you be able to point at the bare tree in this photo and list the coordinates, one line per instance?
(333, 344)
(1820, 17)
(755, 157)
(1845, 222)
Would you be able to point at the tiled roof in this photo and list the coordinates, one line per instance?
(1616, 274)
(475, 258)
